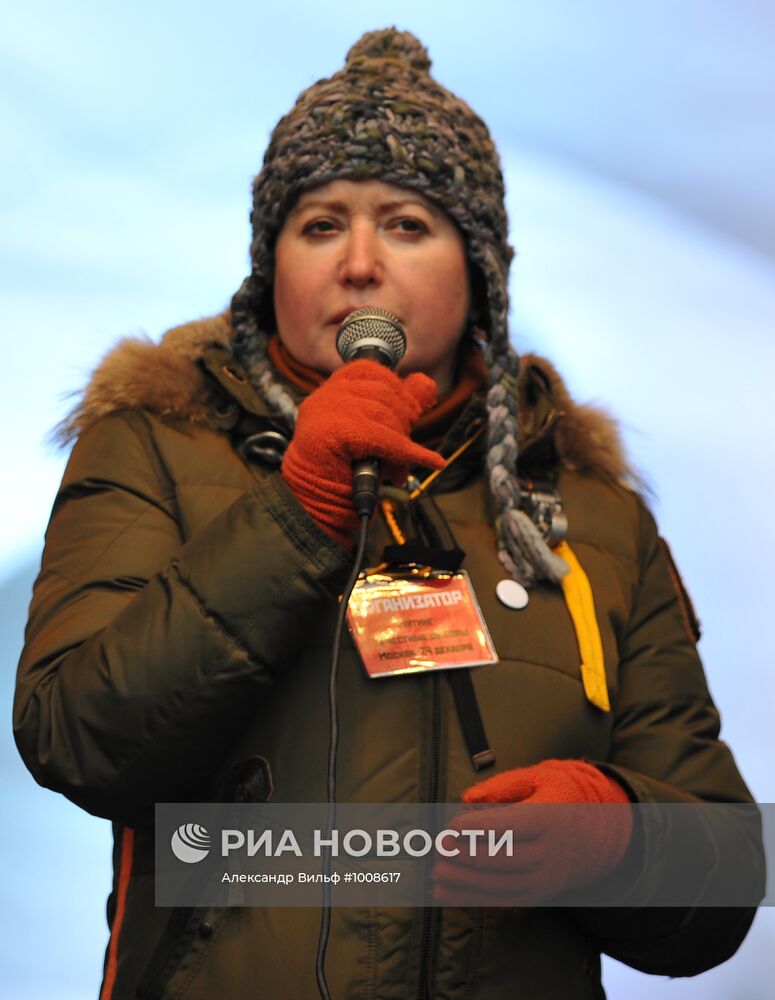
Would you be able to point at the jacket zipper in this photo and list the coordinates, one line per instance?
(429, 915)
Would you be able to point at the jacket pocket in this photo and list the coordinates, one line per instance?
(191, 932)
(183, 947)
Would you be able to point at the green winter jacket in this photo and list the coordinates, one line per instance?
(180, 631)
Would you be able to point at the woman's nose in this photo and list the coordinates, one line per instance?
(361, 263)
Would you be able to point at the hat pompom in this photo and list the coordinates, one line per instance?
(390, 43)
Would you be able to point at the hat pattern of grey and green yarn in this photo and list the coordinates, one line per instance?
(384, 117)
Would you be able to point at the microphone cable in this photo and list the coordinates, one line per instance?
(375, 334)
(333, 746)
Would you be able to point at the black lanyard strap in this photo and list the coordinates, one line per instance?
(470, 719)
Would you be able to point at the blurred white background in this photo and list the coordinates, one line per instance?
(638, 143)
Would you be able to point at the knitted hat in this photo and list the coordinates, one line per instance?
(384, 117)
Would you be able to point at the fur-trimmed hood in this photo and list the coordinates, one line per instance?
(166, 379)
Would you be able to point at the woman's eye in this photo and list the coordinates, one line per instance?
(411, 226)
(318, 226)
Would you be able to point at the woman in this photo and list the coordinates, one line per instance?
(164, 659)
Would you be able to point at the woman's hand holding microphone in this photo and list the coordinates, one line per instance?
(363, 409)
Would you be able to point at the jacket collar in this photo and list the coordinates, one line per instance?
(192, 376)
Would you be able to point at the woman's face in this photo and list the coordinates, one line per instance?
(349, 244)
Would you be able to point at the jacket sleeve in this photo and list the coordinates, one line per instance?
(144, 655)
(666, 749)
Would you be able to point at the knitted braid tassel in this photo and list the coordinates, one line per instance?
(521, 547)
(250, 346)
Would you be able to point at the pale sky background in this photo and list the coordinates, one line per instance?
(638, 142)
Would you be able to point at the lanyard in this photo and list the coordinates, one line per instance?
(460, 682)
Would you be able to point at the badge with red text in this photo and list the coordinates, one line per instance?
(404, 625)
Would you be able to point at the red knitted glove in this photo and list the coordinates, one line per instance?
(362, 410)
(554, 849)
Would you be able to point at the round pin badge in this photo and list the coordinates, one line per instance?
(512, 594)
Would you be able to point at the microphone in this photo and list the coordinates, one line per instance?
(372, 334)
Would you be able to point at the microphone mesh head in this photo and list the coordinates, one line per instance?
(371, 327)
